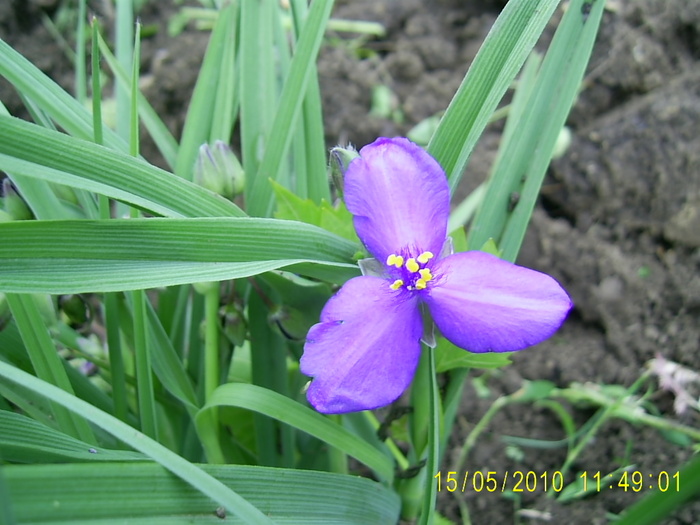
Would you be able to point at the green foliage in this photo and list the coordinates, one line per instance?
(449, 357)
(336, 219)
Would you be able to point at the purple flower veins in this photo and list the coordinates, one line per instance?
(364, 352)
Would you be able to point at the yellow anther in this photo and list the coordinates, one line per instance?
(420, 284)
(425, 274)
(412, 265)
(425, 257)
(394, 260)
(398, 283)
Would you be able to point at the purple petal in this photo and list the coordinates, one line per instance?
(399, 197)
(484, 304)
(365, 351)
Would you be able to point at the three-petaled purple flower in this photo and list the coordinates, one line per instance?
(364, 352)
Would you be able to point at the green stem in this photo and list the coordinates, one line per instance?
(609, 408)
(479, 428)
(337, 459)
(430, 495)
(144, 375)
(209, 427)
(110, 306)
(401, 460)
(211, 340)
(116, 359)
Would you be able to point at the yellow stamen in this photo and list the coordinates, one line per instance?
(425, 257)
(425, 274)
(398, 283)
(394, 260)
(412, 265)
(420, 284)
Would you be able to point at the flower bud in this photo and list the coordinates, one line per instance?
(14, 205)
(340, 160)
(218, 170)
(5, 314)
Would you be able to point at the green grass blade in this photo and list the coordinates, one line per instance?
(45, 360)
(269, 370)
(124, 40)
(164, 140)
(80, 65)
(312, 179)
(657, 505)
(166, 364)
(502, 54)
(58, 256)
(553, 95)
(110, 302)
(96, 85)
(68, 113)
(287, 411)
(227, 92)
(200, 114)
(83, 493)
(38, 194)
(29, 150)
(190, 473)
(24, 440)
(258, 88)
(503, 185)
(261, 197)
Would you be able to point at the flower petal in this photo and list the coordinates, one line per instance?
(400, 198)
(484, 304)
(365, 351)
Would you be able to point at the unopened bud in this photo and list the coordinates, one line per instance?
(14, 205)
(218, 170)
(340, 160)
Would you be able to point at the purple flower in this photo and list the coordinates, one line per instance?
(364, 352)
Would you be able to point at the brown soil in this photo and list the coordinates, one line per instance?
(618, 222)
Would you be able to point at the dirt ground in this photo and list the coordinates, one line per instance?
(618, 223)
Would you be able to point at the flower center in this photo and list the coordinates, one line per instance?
(414, 274)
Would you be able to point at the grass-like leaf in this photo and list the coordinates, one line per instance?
(84, 493)
(260, 199)
(77, 256)
(196, 477)
(66, 111)
(286, 410)
(29, 150)
(24, 440)
(502, 54)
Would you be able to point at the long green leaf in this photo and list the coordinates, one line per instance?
(68, 113)
(201, 111)
(164, 140)
(284, 409)
(309, 148)
(502, 54)
(29, 150)
(79, 256)
(24, 440)
(200, 480)
(84, 493)
(258, 88)
(260, 199)
(553, 95)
